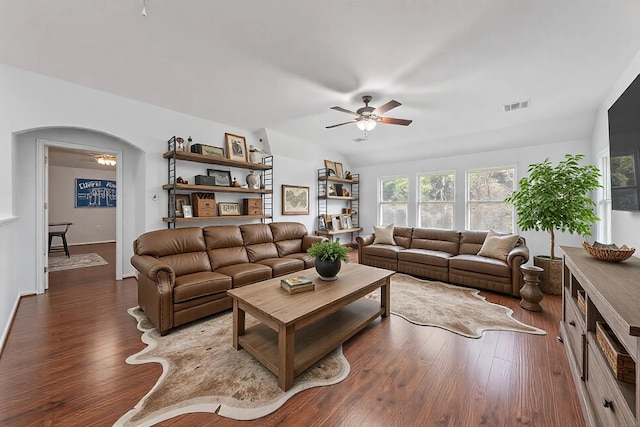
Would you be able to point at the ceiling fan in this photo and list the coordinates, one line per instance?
(367, 117)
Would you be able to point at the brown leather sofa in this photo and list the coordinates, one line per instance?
(184, 273)
(446, 255)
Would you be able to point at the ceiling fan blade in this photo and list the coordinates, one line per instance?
(386, 107)
(344, 110)
(389, 120)
(340, 124)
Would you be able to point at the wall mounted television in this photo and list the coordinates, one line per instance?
(624, 149)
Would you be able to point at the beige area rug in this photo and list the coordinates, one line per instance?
(58, 263)
(454, 308)
(202, 372)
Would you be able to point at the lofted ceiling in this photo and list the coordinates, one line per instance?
(281, 65)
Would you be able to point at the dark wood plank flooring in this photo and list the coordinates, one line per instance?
(63, 365)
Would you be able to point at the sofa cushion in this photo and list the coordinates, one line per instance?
(161, 243)
(480, 264)
(222, 236)
(471, 242)
(187, 263)
(244, 274)
(308, 260)
(425, 256)
(287, 247)
(261, 251)
(280, 266)
(198, 285)
(498, 245)
(227, 256)
(383, 235)
(385, 251)
(287, 231)
(435, 239)
(256, 233)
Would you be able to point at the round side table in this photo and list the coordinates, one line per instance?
(530, 292)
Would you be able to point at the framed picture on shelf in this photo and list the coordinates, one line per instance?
(236, 147)
(332, 190)
(345, 221)
(339, 170)
(338, 188)
(336, 223)
(330, 166)
(186, 211)
(221, 178)
(322, 225)
(228, 208)
(181, 200)
(295, 200)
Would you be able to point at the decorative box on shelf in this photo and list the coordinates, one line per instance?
(581, 303)
(252, 206)
(204, 204)
(623, 366)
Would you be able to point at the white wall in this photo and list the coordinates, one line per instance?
(90, 225)
(625, 226)
(520, 158)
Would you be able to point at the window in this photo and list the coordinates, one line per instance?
(604, 199)
(393, 201)
(486, 208)
(436, 200)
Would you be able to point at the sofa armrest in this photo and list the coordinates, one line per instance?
(365, 240)
(518, 256)
(150, 267)
(307, 241)
(362, 242)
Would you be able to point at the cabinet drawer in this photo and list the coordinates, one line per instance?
(606, 397)
(575, 328)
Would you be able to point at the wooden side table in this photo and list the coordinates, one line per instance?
(530, 292)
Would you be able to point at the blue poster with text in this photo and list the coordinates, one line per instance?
(95, 193)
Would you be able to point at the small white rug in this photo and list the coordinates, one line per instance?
(59, 263)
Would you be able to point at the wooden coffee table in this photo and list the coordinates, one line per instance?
(298, 330)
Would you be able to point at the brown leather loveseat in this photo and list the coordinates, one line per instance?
(184, 273)
(447, 255)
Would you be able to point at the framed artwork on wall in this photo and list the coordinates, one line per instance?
(236, 147)
(295, 200)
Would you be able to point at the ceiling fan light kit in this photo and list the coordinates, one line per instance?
(366, 118)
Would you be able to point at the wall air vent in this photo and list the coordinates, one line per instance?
(516, 106)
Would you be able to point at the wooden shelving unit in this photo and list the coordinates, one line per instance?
(326, 202)
(173, 187)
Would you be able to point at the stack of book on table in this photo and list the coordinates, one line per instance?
(293, 285)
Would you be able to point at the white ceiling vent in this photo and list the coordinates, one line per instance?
(516, 106)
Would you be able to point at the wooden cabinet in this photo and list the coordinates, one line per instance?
(178, 190)
(600, 291)
(338, 213)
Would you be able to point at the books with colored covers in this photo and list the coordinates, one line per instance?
(297, 284)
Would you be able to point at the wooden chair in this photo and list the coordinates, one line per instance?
(62, 233)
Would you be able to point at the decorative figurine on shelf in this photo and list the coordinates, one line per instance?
(345, 192)
(255, 155)
(180, 180)
(235, 182)
(347, 175)
(189, 141)
(179, 144)
(253, 180)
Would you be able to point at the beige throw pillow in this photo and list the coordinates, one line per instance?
(498, 245)
(384, 235)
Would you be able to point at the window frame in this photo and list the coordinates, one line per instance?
(381, 179)
(419, 196)
(468, 202)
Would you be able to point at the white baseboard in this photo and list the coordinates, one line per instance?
(12, 316)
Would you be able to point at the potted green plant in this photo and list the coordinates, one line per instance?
(328, 258)
(555, 198)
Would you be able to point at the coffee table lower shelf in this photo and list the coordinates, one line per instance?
(312, 342)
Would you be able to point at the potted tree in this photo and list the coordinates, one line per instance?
(328, 258)
(555, 198)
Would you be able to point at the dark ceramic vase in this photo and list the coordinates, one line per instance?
(328, 270)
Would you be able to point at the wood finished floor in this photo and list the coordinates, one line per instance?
(63, 365)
